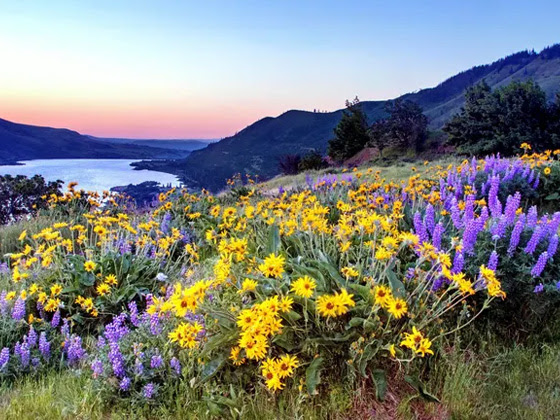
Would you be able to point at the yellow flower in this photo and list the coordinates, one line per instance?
(56, 289)
(235, 356)
(335, 305)
(304, 287)
(424, 347)
(397, 308)
(103, 289)
(248, 285)
(10, 295)
(546, 171)
(273, 266)
(382, 296)
(52, 305)
(111, 279)
(89, 266)
(350, 272)
(22, 236)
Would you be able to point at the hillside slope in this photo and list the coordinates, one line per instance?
(257, 148)
(21, 141)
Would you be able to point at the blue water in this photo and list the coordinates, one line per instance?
(90, 174)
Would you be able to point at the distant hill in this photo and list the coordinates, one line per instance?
(257, 148)
(21, 141)
(176, 144)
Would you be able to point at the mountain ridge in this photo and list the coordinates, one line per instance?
(257, 148)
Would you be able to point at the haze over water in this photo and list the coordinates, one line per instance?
(91, 174)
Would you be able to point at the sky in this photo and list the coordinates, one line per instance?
(207, 69)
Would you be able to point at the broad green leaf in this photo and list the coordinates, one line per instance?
(313, 375)
(397, 286)
(212, 367)
(421, 388)
(380, 380)
(273, 244)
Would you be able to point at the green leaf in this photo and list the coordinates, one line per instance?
(285, 340)
(380, 380)
(212, 367)
(87, 279)
(273, 244)
(313, 375)
(553, 196)
(397, 286)
(360, 289)
(421, 388)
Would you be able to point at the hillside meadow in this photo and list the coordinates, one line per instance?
(426, 290)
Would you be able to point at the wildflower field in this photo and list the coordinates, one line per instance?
(347, 295)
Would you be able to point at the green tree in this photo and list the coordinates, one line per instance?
(499, 121)
(351, 133)
(21, 196)
(405, 127)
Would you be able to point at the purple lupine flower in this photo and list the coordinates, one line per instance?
(516, 235)
(499, 229)
(430, 218)
(138, 367)
(456, 215)
(539, 288)
(558, 285)
(101, 342)
(410, 273)
(133, 314)
(176, 365)
(468, 214)
(18, 311)
(537, 179)
(148, 390)
(125, 383)
(55, 321)
(24, 354)
(458, 263)
(35, 362)
(419, 228)
(539, 266)
(532, 216)
(493, 261)
(552, 246)
(554, 224)
(3, 303)
(97, 368)
(116, 359)
(65, 329)
(155, 327)
(165, 223)
(74, 350)
(512, 204)
(4, 357)
(156, 361)
(44, 346)
(32, 337)
(436, 237)
(469, 236)
(534, 241)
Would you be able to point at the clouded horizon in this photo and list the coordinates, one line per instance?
(190, 70)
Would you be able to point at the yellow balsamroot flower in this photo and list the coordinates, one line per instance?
(52, 305)
(424, 347)
(397, 308)
(285, 304)
(235, 356)
(111, 279)
(285, 365)
(304, 287)
(273, 266)
(22, 235)
(335, 305)
(382, 296)
(186, 334)
(248, 285)
(56, 289)
(89, 266)
(349, 272)
(492, 283)
(546, 171)
(103, 289)
(34, 288)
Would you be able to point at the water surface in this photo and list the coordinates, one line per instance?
(91, 174)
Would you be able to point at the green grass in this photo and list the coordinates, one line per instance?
(397, 172)
(514, 383)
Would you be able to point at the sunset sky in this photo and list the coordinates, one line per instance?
(206, 69)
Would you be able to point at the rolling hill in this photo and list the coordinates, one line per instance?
(21, 141)
(257, 148)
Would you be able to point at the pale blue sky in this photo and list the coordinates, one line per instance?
(207, 69)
